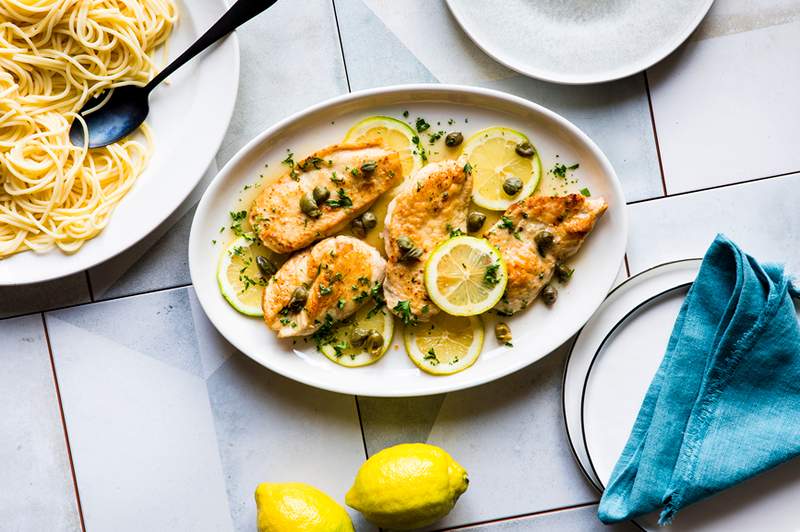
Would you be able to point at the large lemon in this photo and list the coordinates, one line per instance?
(294, 506)
(407, 486)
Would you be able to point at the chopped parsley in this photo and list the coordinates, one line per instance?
(490, 277)
(342, 201)
(403, 309)
(454, 231)
(435, 136)
(467, 168)
(420, 148)
(336, 179)
(314, 161)
(560, 170)
(422, 125)
(431, 357)
(237, 217)
(324, 290)
(289, 161)
(506, 223)
(405, 113)
(340, 304)
(585, 192)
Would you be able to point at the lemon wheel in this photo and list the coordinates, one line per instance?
(492, 153)
(240, 280)
(465, 276)
(340, 348)
(445, 345)
(393, 134)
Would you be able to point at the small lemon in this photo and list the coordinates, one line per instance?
(407, 486)
(294, 506)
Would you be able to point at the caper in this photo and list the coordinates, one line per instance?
(412, 255)
(563, 272)
(544, 241)
(369, 167)
(549, 295)
(321, 195)
(512, 185)
(298, 301)
(357, 227)
(404, 244)
(475, 221)
(309, 206)
(525, 149)
(502, 332)
(374, 342)
(454, 139)
(369, 220)
(266, 266)
(359, 336)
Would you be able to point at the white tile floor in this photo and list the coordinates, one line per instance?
(169, 428)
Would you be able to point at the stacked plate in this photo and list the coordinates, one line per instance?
(608, 371)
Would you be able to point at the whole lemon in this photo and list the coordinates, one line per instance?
(407, 486)
(294, 506)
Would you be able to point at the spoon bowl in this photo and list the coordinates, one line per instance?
(122, 113)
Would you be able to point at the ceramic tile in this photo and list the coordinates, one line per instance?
(155, 398)
(290, 59)
(727, 17)
(583, 519)
(509, 436)
(762, 217)
(36, 489)
(724, 108)
(24, 299)
(158, 261)
(373, 54)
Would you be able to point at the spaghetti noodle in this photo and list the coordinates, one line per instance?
(54, 56)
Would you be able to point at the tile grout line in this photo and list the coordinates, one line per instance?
(361, 426)
(655, 132)
(63, 422)
(89, 285)
(519, 516)
(341, 45)
(714, 187)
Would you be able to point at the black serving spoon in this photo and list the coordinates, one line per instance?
(127, 107)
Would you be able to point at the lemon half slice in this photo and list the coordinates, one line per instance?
(339, 348)
(393, 134)
(239, 278)
(492, 154)
(465, 276)
(445, 345)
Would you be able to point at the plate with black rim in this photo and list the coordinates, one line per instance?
(618, 353)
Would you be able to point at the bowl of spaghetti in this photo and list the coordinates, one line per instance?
(64, 208)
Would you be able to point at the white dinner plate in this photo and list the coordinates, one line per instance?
(619, 302)
(624, 345)
(537, 331)
(579, 41)
(189, 115)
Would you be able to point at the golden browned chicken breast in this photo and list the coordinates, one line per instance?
(534, 235)
(319, 195)
(328, 282)
(431, 204)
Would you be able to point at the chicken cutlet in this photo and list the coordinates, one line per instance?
(325, 283)
(534, 235)
(319, 195)
(431, 204)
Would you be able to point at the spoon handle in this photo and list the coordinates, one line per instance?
(238, 14)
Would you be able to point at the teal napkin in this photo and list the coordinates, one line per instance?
(725, 402)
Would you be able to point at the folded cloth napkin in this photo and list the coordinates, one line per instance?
(725, 402)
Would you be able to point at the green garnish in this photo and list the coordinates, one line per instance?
(585, 192)
(403, 308)
(342, 201)
(490, 278)
(422, 125)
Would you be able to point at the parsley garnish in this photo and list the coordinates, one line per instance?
(403, 309)
(467, 168)
(336, 179)
(490, 278)
(342, 201)
(506, 223)
(560, 170)
(289, 161)
(324, 290)
(585, 192)
(431, 357)
(340, 304)
(422, 125)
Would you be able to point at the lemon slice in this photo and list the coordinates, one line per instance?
(393, 134)
(492, 154)
(465, 276)
(240, 280)
(339, 347)
(446, 344)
